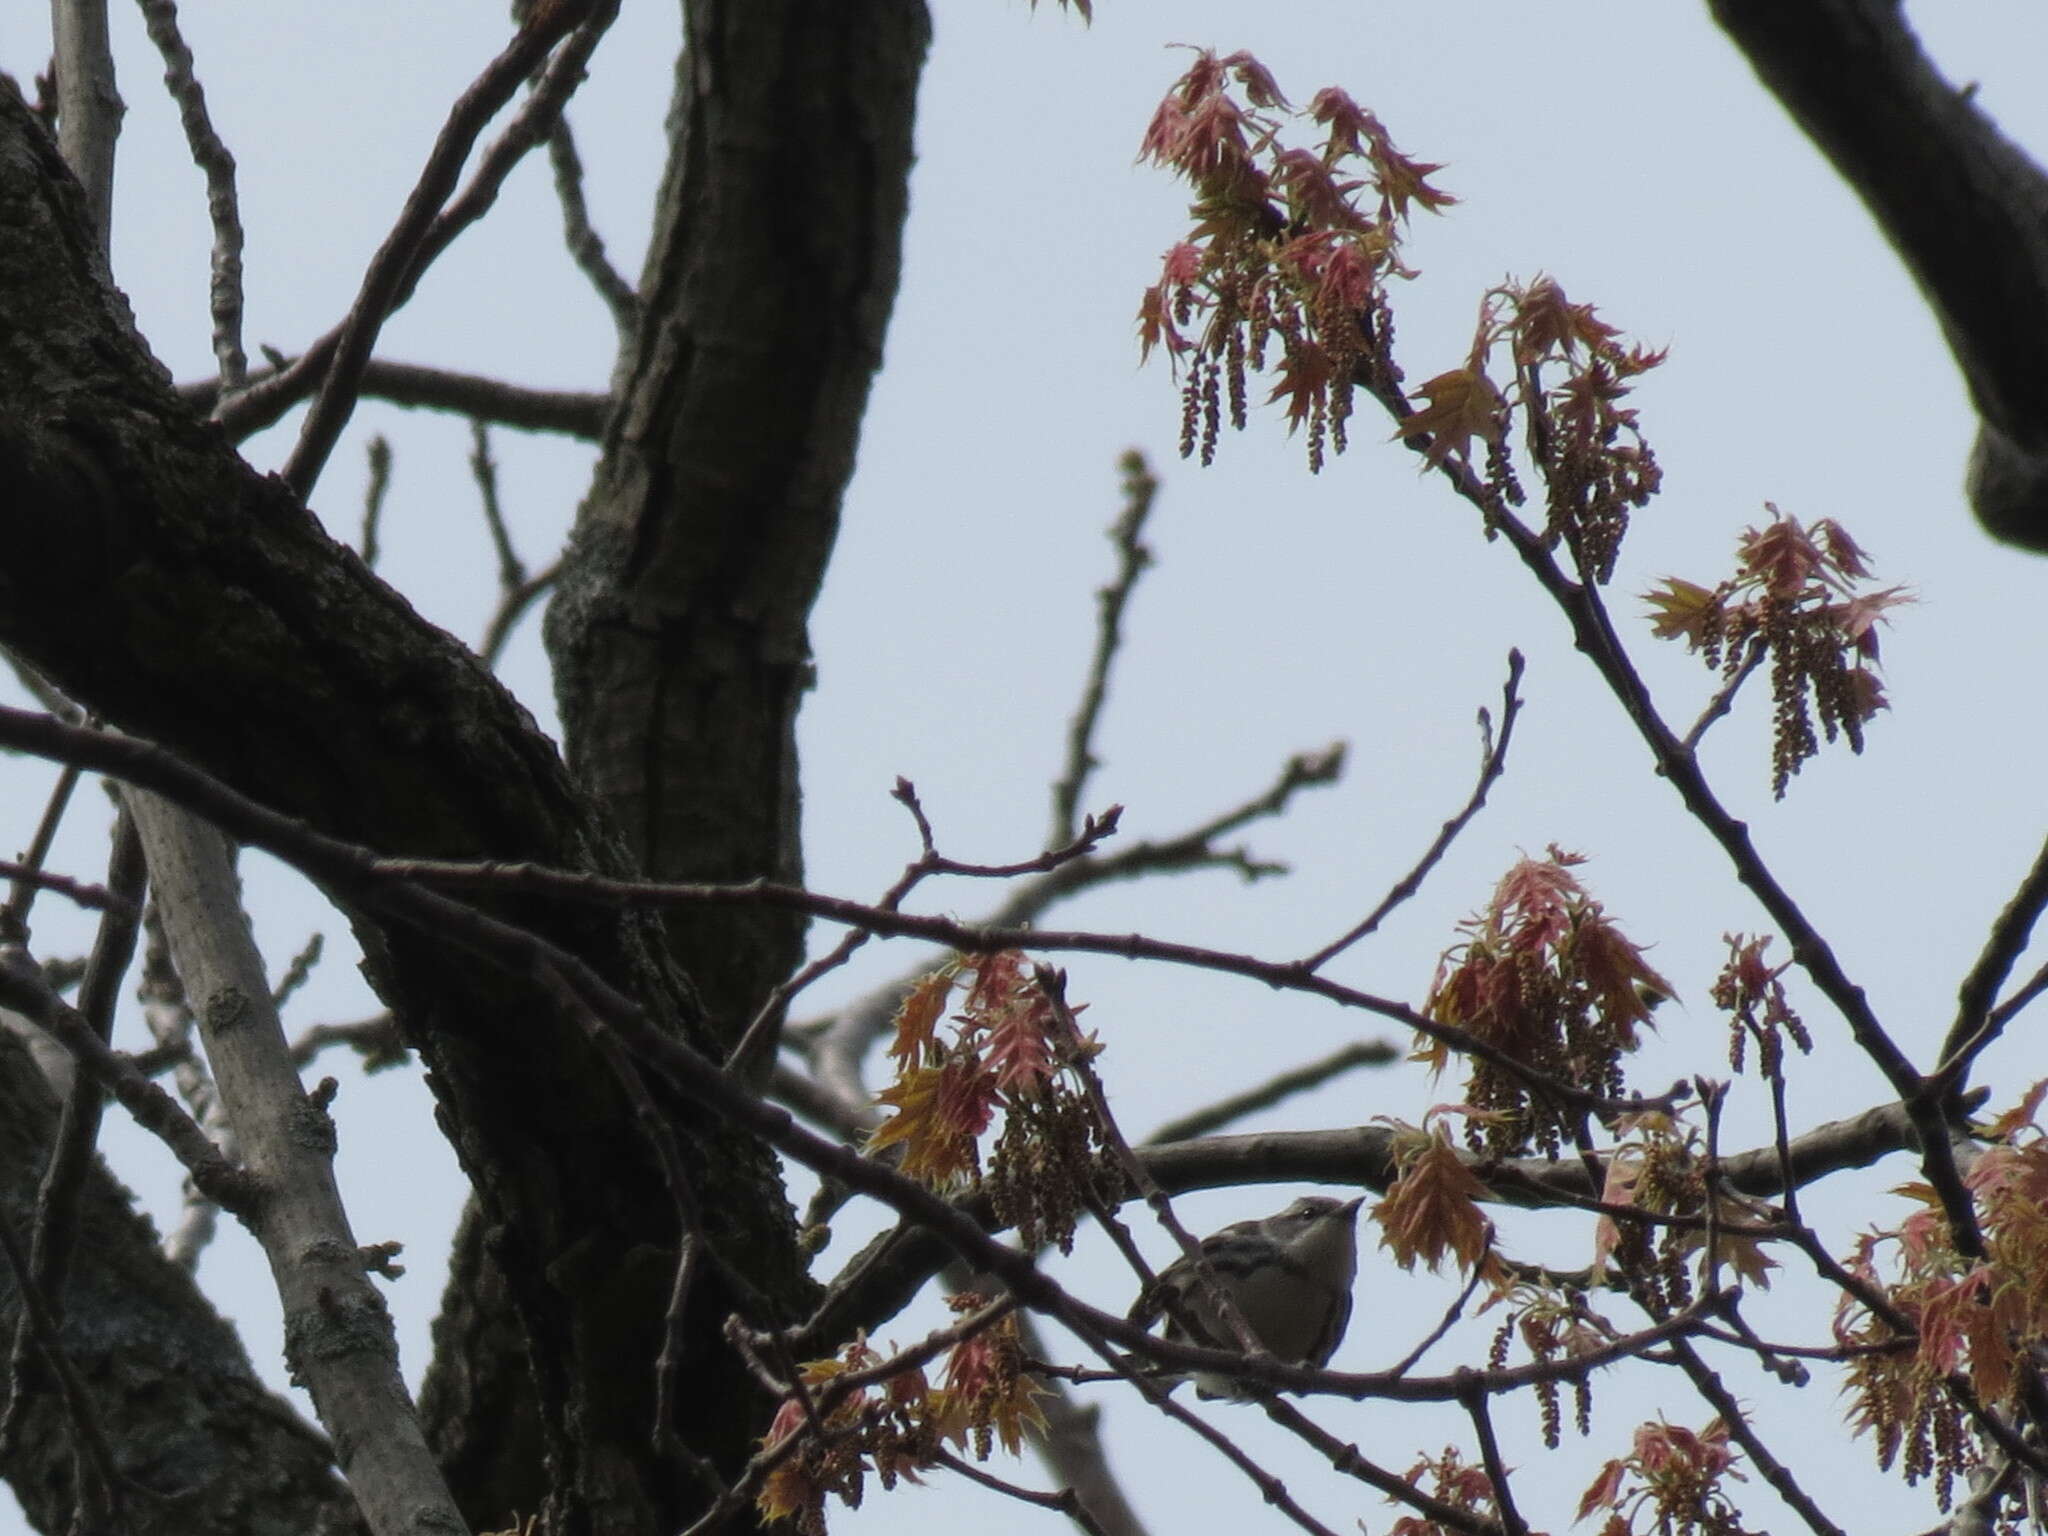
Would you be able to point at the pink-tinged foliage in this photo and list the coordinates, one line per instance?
(1284, 251)
(1794, 602)
(1546, 976)
(1013, 1054)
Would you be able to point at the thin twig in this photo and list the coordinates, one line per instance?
(23, 989)
(586, 247)
(423, 227)
(376, 1040)
(1065, 1501)
(284, 382)
(512, 608)
(1976, 1024)
(1496, 1469)
(484, 470)
(1724, 697)
(2014, 1005)
(1492, 766)
(1775, 1472)
(1140, 486)
(759, 1042)
(1349, 1460)
(217, 164)
(378, 452)
(28, 874)
(94, 898)
(1284, 1085)
(847, 1036)
(297, 972)
(1444, 1325)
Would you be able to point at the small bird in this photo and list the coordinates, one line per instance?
(1290, 1276)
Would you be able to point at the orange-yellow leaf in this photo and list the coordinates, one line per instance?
(1680, 609)
(918, 1018)
(1463, 404)
(1433, 1209)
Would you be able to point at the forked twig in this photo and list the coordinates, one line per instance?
(1491, 767)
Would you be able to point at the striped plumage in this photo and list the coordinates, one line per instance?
(1290, 1275)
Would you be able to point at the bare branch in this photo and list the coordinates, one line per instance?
(297, 972)
(277, 389)
(217, 164)
(1065, 1501)
(1496, 1469)
(23, 989)
(845, 1038)
(1774, 1471)
(95, 898)
(1140, 486)
(89, 107)
(586, 248)
(376, 1040)
(1283, 1085)
(1491, 767)
(484, 470)
(424, 227)
(1724, 697)
(1976, 1024)
(378, 453)
(28, 875)
(512, 607)
(338, 1334)
(1959, 202)
(169, 1023)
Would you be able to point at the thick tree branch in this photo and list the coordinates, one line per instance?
(679, 630)
(149, 572)
(338, 1335)
(1966, 209)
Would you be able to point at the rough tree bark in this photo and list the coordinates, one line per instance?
(170, 1380)
(147, 570)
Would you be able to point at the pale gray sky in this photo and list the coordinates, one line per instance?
(1621, 147)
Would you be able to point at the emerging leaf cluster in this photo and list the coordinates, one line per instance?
(1452, 1480)
(1553, 1322)
(1281, 254)
(1010, 1049)
(1544, 975)
(1571, 373)
(896, 1428)
(1752, 993)
(1669, 1483)
(1793, 600)
(1294, 246)
(1983, 1317)
(1656, 1167)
